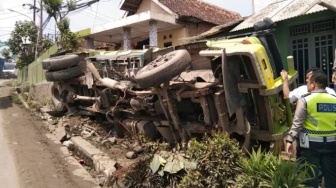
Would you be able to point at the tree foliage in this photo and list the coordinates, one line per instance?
(23, 30)
(57, 10)
(24, 43)
(6, 54)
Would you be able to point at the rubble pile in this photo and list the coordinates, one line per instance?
(94, 145)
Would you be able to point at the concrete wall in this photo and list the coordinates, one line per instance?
(194, 29)
(177, 36)
(149, 5)
(41, 91)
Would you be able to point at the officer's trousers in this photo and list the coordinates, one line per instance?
(323, 156)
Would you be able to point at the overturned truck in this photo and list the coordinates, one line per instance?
(230, 85)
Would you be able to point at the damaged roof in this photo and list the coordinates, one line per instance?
(185, 9)
(286, 9)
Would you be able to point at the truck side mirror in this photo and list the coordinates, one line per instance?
(266, 23)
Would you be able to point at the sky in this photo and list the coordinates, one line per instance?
(99, 13)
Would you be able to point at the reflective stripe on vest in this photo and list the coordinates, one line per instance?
(321, 115)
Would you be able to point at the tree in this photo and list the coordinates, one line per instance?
(23, 43)
(6, 55)
(58, 11)
(23, 30)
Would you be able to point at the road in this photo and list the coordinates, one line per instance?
(28, 158)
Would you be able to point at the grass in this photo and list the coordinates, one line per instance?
(15, 97)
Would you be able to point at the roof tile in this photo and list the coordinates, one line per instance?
(201, 10)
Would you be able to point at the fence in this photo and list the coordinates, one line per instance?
(34, 73)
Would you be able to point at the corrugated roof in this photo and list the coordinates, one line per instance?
(286, 9)
(215, 30)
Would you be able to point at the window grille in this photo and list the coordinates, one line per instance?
(324, 25)
(300, 29)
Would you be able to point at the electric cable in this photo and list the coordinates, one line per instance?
(94, 21)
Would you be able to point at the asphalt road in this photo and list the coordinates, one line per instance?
(28, 158)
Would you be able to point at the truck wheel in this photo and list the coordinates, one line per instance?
(60, 62)
(64, 74)
(56, 98)
(163, 68)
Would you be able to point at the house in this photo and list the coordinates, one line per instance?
(160, 23)
(305, 29)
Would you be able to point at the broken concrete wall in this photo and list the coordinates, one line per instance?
(41, 91)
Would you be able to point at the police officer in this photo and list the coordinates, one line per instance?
(315, 124)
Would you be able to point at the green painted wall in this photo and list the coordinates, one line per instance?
(34, 73)
(282, 30)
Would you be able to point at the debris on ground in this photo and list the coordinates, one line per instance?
(120, 153)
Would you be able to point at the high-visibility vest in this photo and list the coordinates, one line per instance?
(321, 114)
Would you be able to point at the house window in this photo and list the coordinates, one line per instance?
(164, 37)
(170, 36)
(300, 29)
(167, 44)
(324, 25)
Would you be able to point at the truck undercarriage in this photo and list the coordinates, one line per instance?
(227, 85)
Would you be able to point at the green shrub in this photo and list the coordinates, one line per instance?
(140, 176)
(12, 83)
(25, 87)
(217, 158)
(263, 169)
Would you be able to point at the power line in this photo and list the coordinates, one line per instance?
(11, 17)
(50, 29)
(9, 8)
(5, 34)
(100, 14)
(90, 15)
(94, 21)
(9, 12)
(95, 17)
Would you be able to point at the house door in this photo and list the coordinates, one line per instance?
(324, 51)
(301, 57)
(313, 45)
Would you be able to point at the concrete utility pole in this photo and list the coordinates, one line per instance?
(41, 18)
(253, 10)
(34, 12)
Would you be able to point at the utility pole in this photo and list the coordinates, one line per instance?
(41, 18)
(34, 12)
(253, 10)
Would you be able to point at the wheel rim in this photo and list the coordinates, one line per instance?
(57, 98)
(158, 62)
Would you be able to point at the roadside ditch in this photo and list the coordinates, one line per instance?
(93, 144)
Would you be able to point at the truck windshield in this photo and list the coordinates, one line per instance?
(9, 66)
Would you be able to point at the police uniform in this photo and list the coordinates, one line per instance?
(315, 124)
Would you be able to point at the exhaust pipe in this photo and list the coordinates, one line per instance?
(110, 83)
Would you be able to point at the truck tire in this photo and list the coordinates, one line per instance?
(60, 62)
(56, 98)
(64, 74)
(163, 68)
